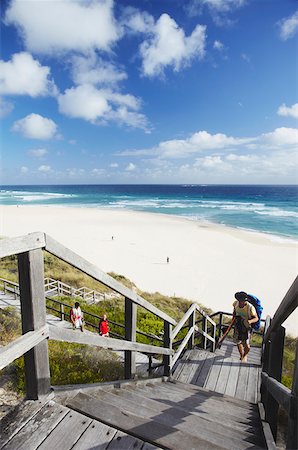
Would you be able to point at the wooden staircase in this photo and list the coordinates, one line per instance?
(174, 415)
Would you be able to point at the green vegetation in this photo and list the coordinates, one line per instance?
(69, 363)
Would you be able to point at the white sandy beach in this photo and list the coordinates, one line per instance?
(207, 263)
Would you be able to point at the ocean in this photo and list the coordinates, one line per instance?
(267, 209)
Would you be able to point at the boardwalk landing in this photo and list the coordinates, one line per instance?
(150, 414)
(222, 371)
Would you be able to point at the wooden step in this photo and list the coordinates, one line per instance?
(195, 405)
(179, 418)
(149, 430)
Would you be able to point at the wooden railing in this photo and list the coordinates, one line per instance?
(33, 344)
(273, 393)
(58, 288)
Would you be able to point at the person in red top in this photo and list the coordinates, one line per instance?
(104, 326)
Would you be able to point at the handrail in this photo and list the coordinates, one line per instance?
(274, 393)
(193, 329)
(285, 309)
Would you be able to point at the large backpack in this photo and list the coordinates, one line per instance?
(259, 308)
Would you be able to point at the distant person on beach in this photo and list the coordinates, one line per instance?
(104, 326)
(168, 260)
(76, 317)
(112, 238)
(245, 314)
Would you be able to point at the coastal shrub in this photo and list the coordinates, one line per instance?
(75, 364)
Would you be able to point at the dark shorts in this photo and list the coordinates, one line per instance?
(242, 335)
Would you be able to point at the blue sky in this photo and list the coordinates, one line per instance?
(185, 91)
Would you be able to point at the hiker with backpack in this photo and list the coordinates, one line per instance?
(246, 319)
(76, 317)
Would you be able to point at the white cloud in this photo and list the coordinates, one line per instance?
(208, 162)
(48, 27)
(114, 165)
(84, 102)
(24, 169)
(38, 152)
(137, 21)
(218, 46)
(168, 46)
(285, 139)
(74, 172)
(130, 167)
(245, 58)
(94, 70)
(23, 75)
(5, 107)
(95, 105)
(288, 111)
(280, 138)
(44, 169)
(97, 172)
(288, 26)
(196, 143)
(35, 126)
(218, 9)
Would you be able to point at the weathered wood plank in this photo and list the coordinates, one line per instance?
(266, 429)
(285, 309)
(22, 345)
(97, 436)
(233, 379)
(80, 263)
(251, 392)
(208, 362)
(145, 429)
(182, 346)
(122, 441)
(224, 375)
(212, 377)
(16, 419)
(204, 409)
(21, 244)
(38, 428)
(281, 393)
(130, 335)
(211, 394)
(177, 418)
(197, 361)
(67, 432)
(61, 334)
(33, 313)
(180, 324)
(242, 381)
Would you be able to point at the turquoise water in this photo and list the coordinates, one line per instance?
(267, 209)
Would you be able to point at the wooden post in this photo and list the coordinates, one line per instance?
(292, 438)
(167, 342)
(149, 364)
(275, 371)
(191, 323)
(130, 335)
(62, 311)
(204, 323)
(33, 310)
(220, 326)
